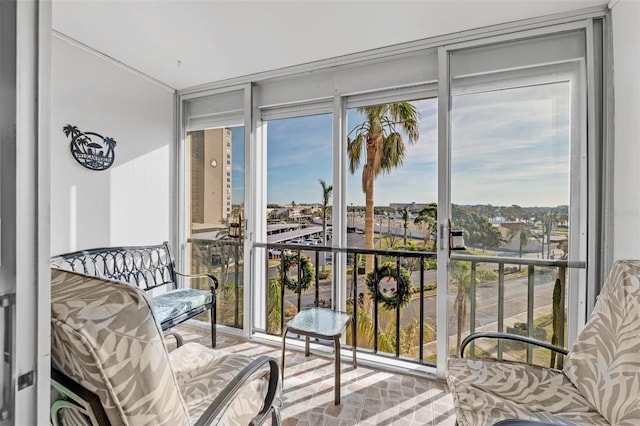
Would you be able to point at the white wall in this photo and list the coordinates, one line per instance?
(625, 17)
(128, 203)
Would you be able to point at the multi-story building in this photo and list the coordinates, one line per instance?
(210, 171)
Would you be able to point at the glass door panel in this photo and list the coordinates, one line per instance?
(215, 206)
(511, 178)
(391, 220)
(299, 204)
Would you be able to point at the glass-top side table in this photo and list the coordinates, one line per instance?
(321, 323)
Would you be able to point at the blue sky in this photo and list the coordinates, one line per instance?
(508, 147)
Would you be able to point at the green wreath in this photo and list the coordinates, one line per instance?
(308, 272)
(388, 269)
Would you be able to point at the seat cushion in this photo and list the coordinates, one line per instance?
(202, 373)
(486, 391)
(174, 303)
(104, 337)
(604, 362)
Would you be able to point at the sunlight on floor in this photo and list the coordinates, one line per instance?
(369, 397)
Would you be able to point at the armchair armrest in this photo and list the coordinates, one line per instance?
(175, 335)
(495, 335)
(230, 391)
(76, 398)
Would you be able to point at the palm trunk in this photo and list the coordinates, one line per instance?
(368, 223)
(324, 239)
(460, 305)
(405, 234)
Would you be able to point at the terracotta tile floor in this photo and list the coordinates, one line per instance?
(369, 397)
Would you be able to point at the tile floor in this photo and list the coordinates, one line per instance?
(369, 397)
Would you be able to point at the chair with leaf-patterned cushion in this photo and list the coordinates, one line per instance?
(109, 350)
(600, 381)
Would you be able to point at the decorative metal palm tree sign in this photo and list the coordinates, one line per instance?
(90, 149)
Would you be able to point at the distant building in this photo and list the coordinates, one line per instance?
(210, 170)
(412, 206)
(510, 232)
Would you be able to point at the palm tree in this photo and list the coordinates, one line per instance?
(427, 220)
(326, 194)
(461, 278)
(526, 233)
(406, 215)
(380, 139)
(548, 219)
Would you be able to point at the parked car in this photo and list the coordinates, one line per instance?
(310, 242)
(294, 242)
(275, 252)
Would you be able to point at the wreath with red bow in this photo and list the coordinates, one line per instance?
(308, 272)
(389, 271)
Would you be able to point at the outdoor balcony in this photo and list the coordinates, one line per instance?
(370, 396)
(524, 296)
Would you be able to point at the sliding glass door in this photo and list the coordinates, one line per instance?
(450, 199)
(517, 190)
(214, 198)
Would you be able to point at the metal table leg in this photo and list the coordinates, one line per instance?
(354, 344)
(284, 338)
(336, 344)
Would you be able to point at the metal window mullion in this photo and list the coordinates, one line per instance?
(354, 337)
(562, 272)
(282, 291)
(500, 306)
(398, 296)
(592, 191)
(317, 278)
(299, 278)
(339, 200)
(421, 328)
(530, 306)
(608, 154)
(473, 301)
(375, 306)
(579, 232)
(444, 211)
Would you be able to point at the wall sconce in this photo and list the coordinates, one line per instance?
(213, 163)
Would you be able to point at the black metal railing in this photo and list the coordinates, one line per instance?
(386, 263)
(486, 278)
(222, 257)
(527, 270)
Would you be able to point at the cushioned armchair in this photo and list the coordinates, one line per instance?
(600, 381)
(111, 365)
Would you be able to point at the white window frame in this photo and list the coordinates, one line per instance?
(328, 86)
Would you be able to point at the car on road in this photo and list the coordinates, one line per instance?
(275, 253)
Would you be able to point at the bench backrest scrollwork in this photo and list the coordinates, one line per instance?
(146, 267)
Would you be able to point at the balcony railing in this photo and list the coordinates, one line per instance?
(548, 276)
(505, 294)
(223, 258)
